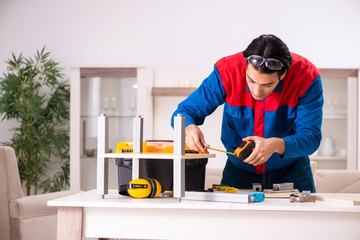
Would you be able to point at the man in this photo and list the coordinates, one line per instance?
(272, 97)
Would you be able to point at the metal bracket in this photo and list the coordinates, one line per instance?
(137, 164)
(304, 197)
(257, 187)
(102, 163)
(179, 163)
(283, 186)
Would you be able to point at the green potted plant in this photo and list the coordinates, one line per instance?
(33, 94)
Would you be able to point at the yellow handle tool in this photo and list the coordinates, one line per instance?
(221, 151)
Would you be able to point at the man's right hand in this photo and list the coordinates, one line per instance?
(194, 138)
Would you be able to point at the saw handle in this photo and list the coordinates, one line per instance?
(244, 150)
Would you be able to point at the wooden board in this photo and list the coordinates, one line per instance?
(348, 199)
(280, 194)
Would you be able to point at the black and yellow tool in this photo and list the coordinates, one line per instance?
(245, 149)
(141, 188)
(223, 188)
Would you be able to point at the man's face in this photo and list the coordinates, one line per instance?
(261, 85)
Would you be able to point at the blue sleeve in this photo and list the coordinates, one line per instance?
(307, 124)
(203, 101)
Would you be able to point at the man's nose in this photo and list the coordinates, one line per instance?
(257, 90)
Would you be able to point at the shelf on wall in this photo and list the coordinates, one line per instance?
(331, 158)
(107, 72)
(334, 117)
(338, 72)
(110, 116)
(172, 91)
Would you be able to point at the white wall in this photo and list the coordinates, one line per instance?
(175, 34)
(181, 33)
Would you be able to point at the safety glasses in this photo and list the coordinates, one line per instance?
(270, 63)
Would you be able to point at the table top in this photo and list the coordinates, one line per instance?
(114, 200)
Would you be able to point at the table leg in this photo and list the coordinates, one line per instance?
(69, 223)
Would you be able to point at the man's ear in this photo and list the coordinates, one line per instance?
(283, 75)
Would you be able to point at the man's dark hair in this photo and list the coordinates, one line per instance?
(269, 46)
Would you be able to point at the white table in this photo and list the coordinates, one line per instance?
(88, 215)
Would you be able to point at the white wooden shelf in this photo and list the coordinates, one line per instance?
(334, 117)
(172, 91)
(331, 158)
(110, 116)
(177, 157)
(156, 155)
